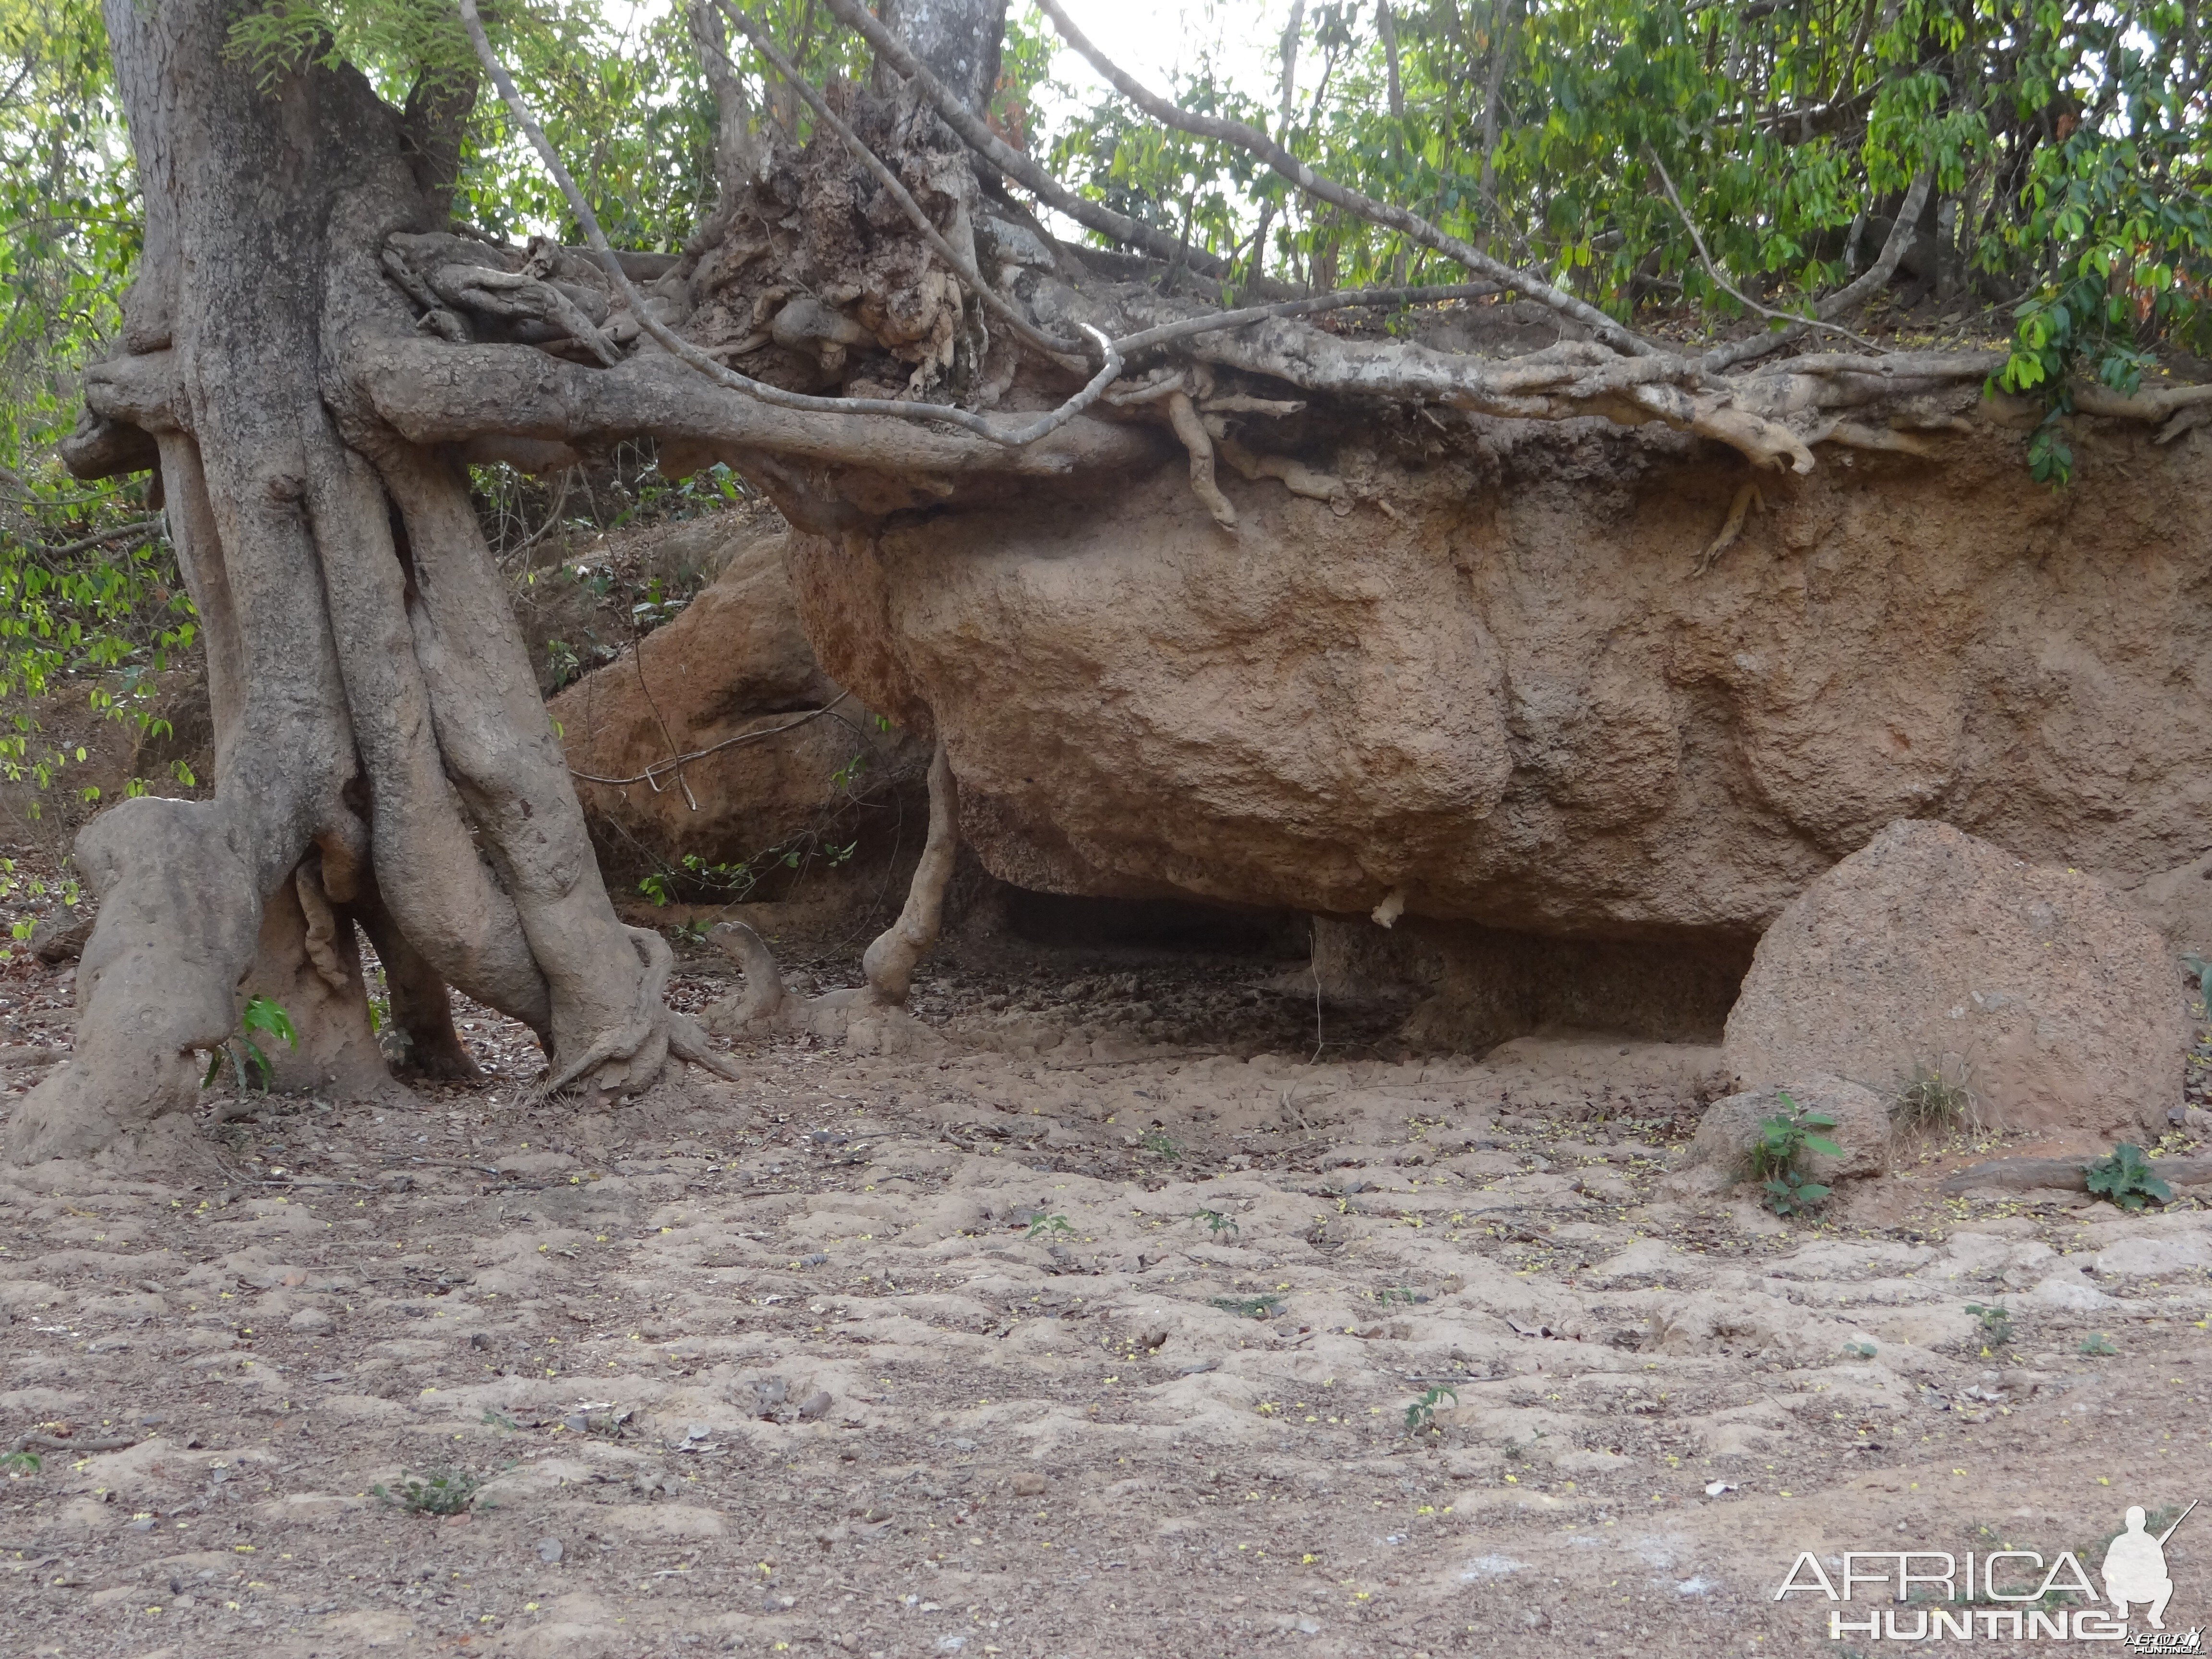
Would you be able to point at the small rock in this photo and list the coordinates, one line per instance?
(1028, 1483)
(312, 1321)
(550, 1551)
(2068, 1292)
(1725, 1133)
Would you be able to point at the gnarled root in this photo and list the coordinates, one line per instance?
(872, 1017)
(1182, 414)
(1295, 475)
(309, 965)
(628, 1059)
(1746, 497)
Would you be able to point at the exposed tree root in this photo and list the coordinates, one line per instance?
(1183, 414)
(628, 1059)
(890, 961)
(873, 1016)
(382, 757)
(1746, 497)
(1295, 475)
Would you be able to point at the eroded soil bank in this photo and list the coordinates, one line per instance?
(1103, 1348)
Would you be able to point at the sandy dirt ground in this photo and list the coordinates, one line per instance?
(1119, 1325)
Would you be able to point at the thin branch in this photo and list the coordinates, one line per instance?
(143, 527)
(1730, 288)
(1000, 154)
(1844, 299)
(963, 265)
(1385, 214)
(652, 773)
(692, 357)
(1130, 344)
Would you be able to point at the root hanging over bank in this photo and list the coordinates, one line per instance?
(872, 1016)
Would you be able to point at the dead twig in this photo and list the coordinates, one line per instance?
(652, 772)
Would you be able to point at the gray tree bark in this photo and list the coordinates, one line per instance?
(957, 40)
(382, 757)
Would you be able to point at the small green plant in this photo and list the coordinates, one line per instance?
(446, 1491)
(16, 1463)
(2201, 971)
(2125, 1178)
(1995, 1321)
(1782, 1141)
(1405, 1294)
(1247, 1307)
(2097, 1346)
(1216, 1223)
(561, 657)
(1932, 1099)
(1156, 1142)
(1043, 1226)
(1422, 1413)
(494, 1419)
(1515, 1452)
(1860, 1350)
(248, 1060)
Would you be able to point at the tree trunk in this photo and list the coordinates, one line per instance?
(381, 753)
(956, 39)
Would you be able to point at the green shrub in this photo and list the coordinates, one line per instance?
(2125, 1178)
(1783, 1139)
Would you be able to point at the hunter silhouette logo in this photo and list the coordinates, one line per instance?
(2013, 1594)
(2134, 1569)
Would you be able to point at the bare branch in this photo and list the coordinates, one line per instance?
(132, 532)
(652, 774)
(691, 356)
(1130, 344)
(1071, 351)
(1000, 154)
(1713, 271)
(1870, 283)
(1385, 214)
